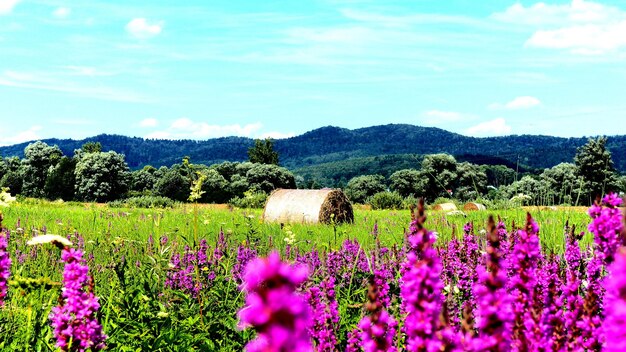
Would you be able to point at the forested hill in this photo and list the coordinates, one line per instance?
(329, 144)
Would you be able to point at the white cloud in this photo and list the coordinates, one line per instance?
(24, 136)
(589, 39)
(140, 28)
(51, 82)
(578, 11)
(524, 102)
(497, 127)
(331, 35)
(148, 122)
(185, 128)
(61, 12)
(581, 27)
(6, 6)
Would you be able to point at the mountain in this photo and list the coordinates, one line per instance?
(332, 144)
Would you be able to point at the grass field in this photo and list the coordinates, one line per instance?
(130, 254)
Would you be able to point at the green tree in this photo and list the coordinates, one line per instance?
(408, 182)
(268, 177)
(215, 187)
(441, 173)
(61, 180)
(39, 158)
(144, 180)
(12, 177)
(621, 181)
(562, 185)
(173, 185)
(471, 182)
(595, 166)
(526, 186)
(263, 152)
(360, 188)
(91, 147)
(498, 175)
(101, 176)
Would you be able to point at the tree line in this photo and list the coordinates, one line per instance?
(94, 175)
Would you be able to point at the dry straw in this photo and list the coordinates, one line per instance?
(446, 207)
(308, 206)
(471, 206)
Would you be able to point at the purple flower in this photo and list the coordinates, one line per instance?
(615, 305)
(378, 328)
(494, 307)
(606, 226)
(524, 261)
(74, 321)
(421, 288)
(280, 316)
(244, 255)
(5, 266)
(325, 314)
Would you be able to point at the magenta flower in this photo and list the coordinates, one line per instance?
(615, 305)
(524, 262)
(280, 316)
(325, 314)
(74, 321)
(5, 266)
(421, 288)
(494, 306)
(606, 226)
(378, 328)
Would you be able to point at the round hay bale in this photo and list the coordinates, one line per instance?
(471, 206)
(446, 207)
(308, 206)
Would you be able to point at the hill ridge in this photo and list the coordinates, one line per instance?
(332, 143)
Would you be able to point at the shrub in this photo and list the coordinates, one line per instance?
(249, 200)
(386, 200)
(143, 202)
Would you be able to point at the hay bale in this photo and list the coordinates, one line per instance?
(471, 206)
(308, 206)
(445, 207)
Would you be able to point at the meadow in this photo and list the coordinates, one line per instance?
(170, 279)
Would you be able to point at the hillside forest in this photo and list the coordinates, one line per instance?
(91, 174)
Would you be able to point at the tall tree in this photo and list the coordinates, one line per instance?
(101, 176)
(263, 152)
(61, 180)
(595, 166)
(408, 182)
(362, 187)
(39, 158)
(441, 172)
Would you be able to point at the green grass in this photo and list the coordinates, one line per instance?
(139, 313)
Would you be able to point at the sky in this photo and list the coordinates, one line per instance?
(201, 69)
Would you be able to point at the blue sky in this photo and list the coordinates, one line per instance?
(203, 69)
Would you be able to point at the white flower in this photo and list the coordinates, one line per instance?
(5, 198)
(49, 238)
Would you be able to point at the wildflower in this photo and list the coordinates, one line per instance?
(74, 321)
(57, 240)
(606, 226)
(494, 310)
(378, 328)
(524, 261)
(615, 305)
(325, 314)
(280, 316)
(5, 266)
(421, 288)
